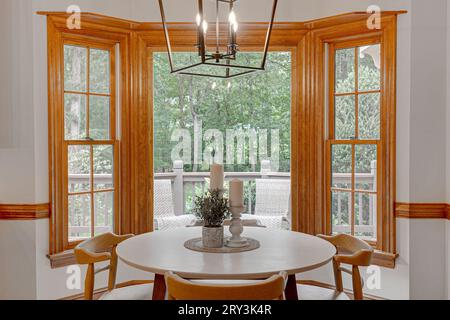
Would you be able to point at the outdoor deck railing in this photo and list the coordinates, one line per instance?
(186, 185)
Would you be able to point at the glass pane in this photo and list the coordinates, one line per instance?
(79, 217)
(345, 70)
(79, 168)
(341, 211)
(103, 212)
(365, 216)
(341, 166)
(369, 116)
(99, 71)
(248, 128)
(369, 67)
(103, 167)
(345, 118)
(99, 118)
(75, 116)
(75, 68)
(366, 167)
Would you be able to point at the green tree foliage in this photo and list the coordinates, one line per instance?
(261, 102)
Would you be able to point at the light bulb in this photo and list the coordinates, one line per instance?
(205, 26)
(198, 19)
(235, 27)
(232, 17)
(229, 85)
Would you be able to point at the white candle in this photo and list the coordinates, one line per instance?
(217, 177)
(236, 193)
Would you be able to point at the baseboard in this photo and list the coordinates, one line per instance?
(331, 287)
(99, 292)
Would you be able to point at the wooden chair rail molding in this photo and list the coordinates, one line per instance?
(422, 210)
(307, 42)
(24, 211)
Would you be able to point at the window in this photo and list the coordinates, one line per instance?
(355, 139)
(86, 194)
(243, 122)
(90, 151)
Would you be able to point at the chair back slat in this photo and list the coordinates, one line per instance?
(163, 199)
(272, 197)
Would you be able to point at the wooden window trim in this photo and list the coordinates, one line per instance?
(136, 172)
(98, 31)
(386, 37)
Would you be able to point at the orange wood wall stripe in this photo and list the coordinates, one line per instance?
(24, 211)
(422, 210)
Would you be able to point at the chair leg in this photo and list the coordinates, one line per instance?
(338, 276)
(357, 284)
(112, 270)
(89, 283)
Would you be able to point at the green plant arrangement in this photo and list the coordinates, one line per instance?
(212, 208)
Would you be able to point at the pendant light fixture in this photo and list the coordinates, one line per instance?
(214, 57)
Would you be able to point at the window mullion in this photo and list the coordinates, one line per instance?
(88, 91)
(356, 95)
(353, 191)
(92, 191)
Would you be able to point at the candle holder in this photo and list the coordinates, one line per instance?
(236, 229)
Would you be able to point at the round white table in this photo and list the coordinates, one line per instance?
(163, 251)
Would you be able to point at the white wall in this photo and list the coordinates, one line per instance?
(447, 161)
(421, 115)
(17, 260)
(17, 172)
(427, 147)
(16, 114)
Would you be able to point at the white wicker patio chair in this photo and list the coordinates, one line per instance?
(164, 213)
(272, 203)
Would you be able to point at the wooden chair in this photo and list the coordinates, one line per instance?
(270, 289)
(101, 249)
(272, 203)
(351, 251)
(164, 211)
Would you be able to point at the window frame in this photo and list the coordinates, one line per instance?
(97, 31)
(112, 141)
(385, 231)
(136, 133)
(356, 141)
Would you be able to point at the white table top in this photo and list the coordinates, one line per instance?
(162, 251)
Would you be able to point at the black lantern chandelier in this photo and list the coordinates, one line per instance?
(213, 62)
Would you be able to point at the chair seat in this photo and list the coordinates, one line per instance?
(270, 222)
(167, 223)
(138, 292)
(306, 292)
